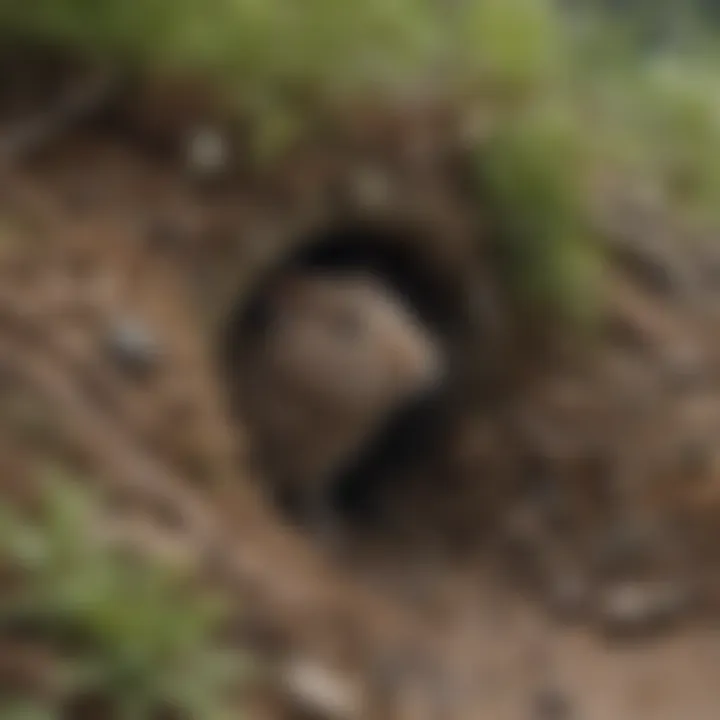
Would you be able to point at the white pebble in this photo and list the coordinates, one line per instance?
(321, 690)
(207, 151)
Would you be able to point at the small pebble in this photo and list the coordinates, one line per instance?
(207, 152)
(321, 691)
(641, 607)
(133, 347)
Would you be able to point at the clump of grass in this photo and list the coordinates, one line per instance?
(655, 121)
(606, 106)
(531, 173)
(129, 631)
(678, 114)
(519, 44)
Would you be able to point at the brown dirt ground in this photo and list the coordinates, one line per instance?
(590, 467)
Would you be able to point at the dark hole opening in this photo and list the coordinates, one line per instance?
(412, 435)
(391, 254)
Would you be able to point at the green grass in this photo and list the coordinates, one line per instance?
(256, 43)
(265, 46)
(128, 630)
(604, 106)
(523, 61)
(531, 175)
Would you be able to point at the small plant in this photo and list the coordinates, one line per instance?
(531, 173)
(128, 631)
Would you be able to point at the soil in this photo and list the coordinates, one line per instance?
(554, 558)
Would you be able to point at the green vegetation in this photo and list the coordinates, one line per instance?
(128, 631)
(256, 45)
(266, 46)
(531, 174)
(651, 119)
(605, 107)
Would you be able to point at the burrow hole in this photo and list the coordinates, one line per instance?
(413, 435)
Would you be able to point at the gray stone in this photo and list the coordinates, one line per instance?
(132, 346)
